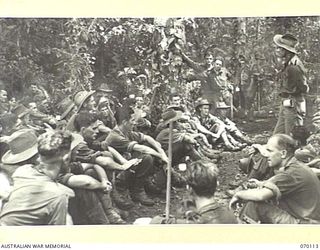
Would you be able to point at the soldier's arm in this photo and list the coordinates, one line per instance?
(196, 66)
(257, 194)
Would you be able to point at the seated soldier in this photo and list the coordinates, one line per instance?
(106, 114)
(256, 165)
(212, 126)
(314, 138)
(4, 102)
(184, 143)
(39, 118)
(12, 158)
(23, 114)
(85, 102)
(291, 196)
(36, 197)
(92, 203)
(308, 151)
(233, 130)
(191, 125)
(141, 108)
(37, 93)
(93, 151)
(175, 102)
(90, 194)
(139, 145)
(202, 179)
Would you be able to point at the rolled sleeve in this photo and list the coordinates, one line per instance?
(64, 178)
(137, 136)
(275, 190)
(83, 153)
(284, 183)
(131, 145)
(120, 142)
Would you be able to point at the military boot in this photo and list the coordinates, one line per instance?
(247, 140)
(231, 147)
(121, 198)
(155, 186)
(211, 153)
(120, 193)
(138, 193)
(114, 217)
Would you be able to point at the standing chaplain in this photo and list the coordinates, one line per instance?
(293, 84)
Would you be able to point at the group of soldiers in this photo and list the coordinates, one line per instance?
(106, 143)
(95, 159)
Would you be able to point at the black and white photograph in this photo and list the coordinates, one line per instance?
(159, 120)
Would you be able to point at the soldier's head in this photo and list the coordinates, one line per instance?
(300, 133)
(202, 106)
(139, 101)
(218, 63)
(175, 99)
(202, 178)
(34, 88)
(84, 100)
(33, 106)
(209, 59)
(279, 148)
(126, 118)
(87, 124)
(285, 45)
(54, 151)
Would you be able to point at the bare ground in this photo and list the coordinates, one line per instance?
(258, 130)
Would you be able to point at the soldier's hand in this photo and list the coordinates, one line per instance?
(106, 186)
(233, 201)
(104, 145)
(189, 139)
(255, 182)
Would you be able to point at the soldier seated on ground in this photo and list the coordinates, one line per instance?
(38, 94)
(191, 125)
(90, 150)
(291, 196)
(106, 115)
(4, 102)
(256, 165)
(213, 127)
(36, 197)
(24, 121)
(308, 151)
(202, 179)
(231, 127)
(139, 145)
(314, 138)
(92, 203)
(84, 102)
(176, 103)
(141, 107)
(39, 118)
(184, 142)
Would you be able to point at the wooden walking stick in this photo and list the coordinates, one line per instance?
(169, 172)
